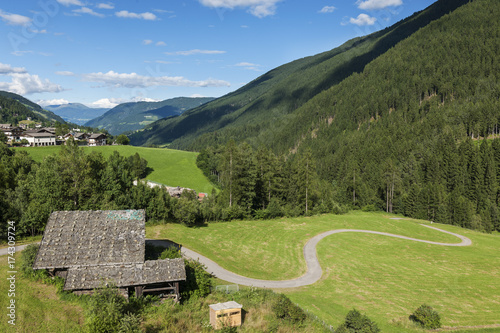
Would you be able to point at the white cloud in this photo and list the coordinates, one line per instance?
(363, 19)
(147, 41)
(25, 84)
(259, 8)
(105, 103)
(45, 102)
(249, 66)
(70, 2)
(327, 9)
(65, 73)
(21, 53)
(196, 96)
(160, 43)
(110, 103)
(36, 31)
(377, 4)
(8, 69)
(14, 19)
(86, 10)
(144, 16)
(163, 11)
(134, 80)
(195, 51)
(108, 5)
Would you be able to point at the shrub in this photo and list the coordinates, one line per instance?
(355, 322)
(171, 252)
(27, 259)
(198, 281)
(427, 317)
(284, 309)
(106, 309)
(370, 208)
(109, 311)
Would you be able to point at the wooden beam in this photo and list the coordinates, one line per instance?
(138, 291)
(157, 289)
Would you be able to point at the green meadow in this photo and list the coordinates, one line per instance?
(384, 277)
(38, 307)
(170, 167)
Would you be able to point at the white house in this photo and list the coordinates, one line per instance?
(40, 139)
(98, 139)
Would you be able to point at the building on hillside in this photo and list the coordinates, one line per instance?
(48, 130)
(92, 248)
(81, 136)
(13, 134)
(97, 139)
(5, 125)
(39, 139)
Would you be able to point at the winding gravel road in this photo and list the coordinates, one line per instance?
(314, 271)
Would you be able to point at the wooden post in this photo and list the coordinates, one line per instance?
(138, 291)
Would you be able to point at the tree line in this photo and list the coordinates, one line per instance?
(73, 180)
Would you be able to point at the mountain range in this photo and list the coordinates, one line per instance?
(268, 105)
(135, 115)
(76, 113)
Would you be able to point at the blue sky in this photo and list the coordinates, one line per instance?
(104, 53)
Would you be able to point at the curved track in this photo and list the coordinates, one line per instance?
(314, 271)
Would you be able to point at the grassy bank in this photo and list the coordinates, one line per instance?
(384, 277)
(38, 308)
(170, 167)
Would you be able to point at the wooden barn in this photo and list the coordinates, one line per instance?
(92, 248)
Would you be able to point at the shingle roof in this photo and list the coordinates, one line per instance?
(40, 135)
(97, 136)
(154, 271)
(88, 238)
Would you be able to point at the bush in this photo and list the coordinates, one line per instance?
(109, 312)
(427, 317)
(28, 257)
(370, 208)
(355, 322)
(198, 281)
(171, 252)
(284, 309)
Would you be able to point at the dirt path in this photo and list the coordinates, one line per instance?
(314, 270)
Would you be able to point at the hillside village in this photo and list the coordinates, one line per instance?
(46, 136)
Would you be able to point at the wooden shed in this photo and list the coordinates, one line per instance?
(225, 315)
(92, 248)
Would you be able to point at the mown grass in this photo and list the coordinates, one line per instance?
(386, 278)
(272, 249)
(21, 241)
(38, 308)
(170, 167)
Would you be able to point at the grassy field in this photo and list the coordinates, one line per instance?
(38, 308)
(384, 277)
(170, 167)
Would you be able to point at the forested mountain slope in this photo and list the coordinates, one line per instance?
(403, 134)
(135, 115)
(264, 107)
(24, 108)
